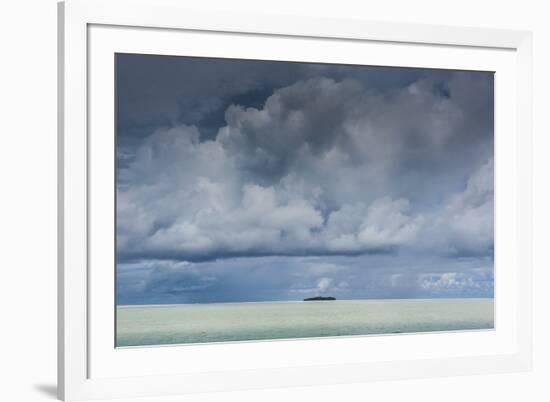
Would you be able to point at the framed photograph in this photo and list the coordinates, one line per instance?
(255, 201)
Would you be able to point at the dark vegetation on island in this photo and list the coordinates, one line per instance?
(319, 298)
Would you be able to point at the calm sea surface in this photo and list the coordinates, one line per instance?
(198, 323)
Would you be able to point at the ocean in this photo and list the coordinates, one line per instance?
(228, 322)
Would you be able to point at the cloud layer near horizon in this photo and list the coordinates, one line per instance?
(295, 278)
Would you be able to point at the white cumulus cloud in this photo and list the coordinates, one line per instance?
(325, 167)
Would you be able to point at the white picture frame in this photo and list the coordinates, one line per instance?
(89, 365)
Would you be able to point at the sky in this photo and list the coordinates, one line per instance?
(246, 180)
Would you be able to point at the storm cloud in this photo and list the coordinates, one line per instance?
(258, 162)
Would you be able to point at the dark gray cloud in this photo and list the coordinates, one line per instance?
(219, 160)
(157, 91)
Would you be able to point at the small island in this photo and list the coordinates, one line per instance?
(319, 298)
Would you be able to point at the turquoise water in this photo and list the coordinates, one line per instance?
(223, 322)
